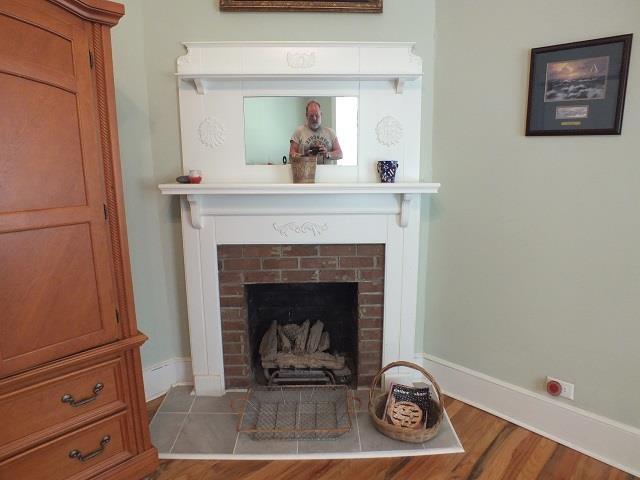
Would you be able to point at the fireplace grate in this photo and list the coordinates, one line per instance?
(297, 412)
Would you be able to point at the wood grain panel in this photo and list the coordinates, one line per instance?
(47, 171)
(39, 409)
(32, 45)
(52, 461)
(51, 295)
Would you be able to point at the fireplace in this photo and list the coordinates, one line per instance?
(248, 224)
(336, 271)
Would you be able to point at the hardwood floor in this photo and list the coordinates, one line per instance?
(494, 450)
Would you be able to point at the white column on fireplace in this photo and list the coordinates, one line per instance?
(347, 206)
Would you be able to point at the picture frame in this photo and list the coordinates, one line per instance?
(578, 88)
(348, 6)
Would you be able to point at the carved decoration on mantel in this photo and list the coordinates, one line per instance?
(186, 59)
(301, 59)
(389, 131)
(211, 132)
(307, 227)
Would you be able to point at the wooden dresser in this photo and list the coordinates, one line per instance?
(71, 394)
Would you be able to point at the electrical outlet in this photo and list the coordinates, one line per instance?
(567, 388)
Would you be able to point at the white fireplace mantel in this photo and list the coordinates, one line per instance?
(244, 204)
(195, 194)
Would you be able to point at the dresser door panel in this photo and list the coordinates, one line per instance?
(56, 279)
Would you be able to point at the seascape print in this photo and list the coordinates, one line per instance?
(584, 79)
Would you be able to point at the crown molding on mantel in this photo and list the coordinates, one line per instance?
(209, 62)
(195, 193)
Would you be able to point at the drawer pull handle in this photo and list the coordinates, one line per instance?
(83, 458)
(69, 398)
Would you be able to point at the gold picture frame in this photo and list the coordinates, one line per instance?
(347, 6)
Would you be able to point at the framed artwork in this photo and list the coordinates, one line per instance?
(578, 88)
(361, 6)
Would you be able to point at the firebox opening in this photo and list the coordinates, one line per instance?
(314, 337)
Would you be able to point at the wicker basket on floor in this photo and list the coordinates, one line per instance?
(378, 400)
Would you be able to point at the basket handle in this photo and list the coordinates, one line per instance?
(401, 363)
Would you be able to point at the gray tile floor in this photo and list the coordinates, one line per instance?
(190, 425)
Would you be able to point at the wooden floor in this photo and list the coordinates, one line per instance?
(494, 449)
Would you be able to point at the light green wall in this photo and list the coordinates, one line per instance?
(534, 263)
(269, 123)
(152, 221)
(146, 45)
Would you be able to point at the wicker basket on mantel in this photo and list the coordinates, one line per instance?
(378, 400)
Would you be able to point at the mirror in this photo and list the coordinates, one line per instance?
(269, 123)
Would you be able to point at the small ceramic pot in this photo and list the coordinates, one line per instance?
(387, 170)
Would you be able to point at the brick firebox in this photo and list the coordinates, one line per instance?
(247, 264)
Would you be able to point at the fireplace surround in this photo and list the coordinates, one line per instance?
(240, 207)
(241, 265)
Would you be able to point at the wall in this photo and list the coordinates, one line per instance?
(533, 266)
(153, 228)
(149, 128)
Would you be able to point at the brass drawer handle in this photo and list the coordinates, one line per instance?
(83, 458)
(69, 398)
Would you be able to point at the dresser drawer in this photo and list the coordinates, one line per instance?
(76, 456)
(46, 409)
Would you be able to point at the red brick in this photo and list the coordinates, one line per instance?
(365, 380)
(336, 250)
(232, 301)
(236, 325)
(369, 357)
(232, 337)
(299, 251)
(230, 277)
(236, 360)
(356, 262)
(237, 382)
(370, 322)
(370, 334)
(371, 274)
(231, 348)
(370, 249)
(241, 264)
(319, 262)
(337, 275)
(231, 313)
(371, 311)
(369, 346)
(371, 287)
(300, 276)
(262, 250)
(364, 369)
(232, 290)
(262, 277)
(379, 261)
(279, 263)
(230, 251)
(236, 370)
(371, 299)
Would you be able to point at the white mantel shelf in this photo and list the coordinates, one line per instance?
(195, 192)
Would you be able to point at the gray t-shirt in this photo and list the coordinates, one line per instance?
(307, 138)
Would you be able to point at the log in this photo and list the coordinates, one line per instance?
(285, 343)
(269, 343)
(301, 339)
(314, 336)
(324, 344)
(308, 360)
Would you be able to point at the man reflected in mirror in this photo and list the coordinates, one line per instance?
(314, 139)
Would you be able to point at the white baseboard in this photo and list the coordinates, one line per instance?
(159, 378)
(599, 437)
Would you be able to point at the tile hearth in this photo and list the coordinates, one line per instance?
(194, 427)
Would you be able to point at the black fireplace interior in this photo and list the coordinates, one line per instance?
(335, 304)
